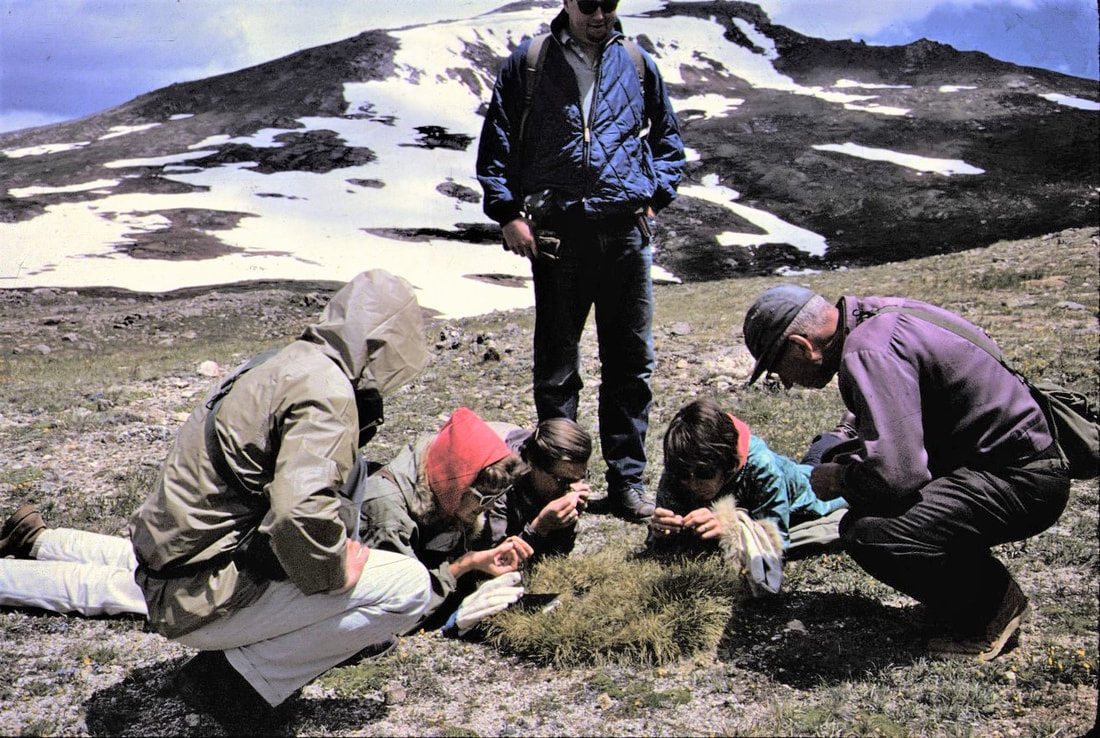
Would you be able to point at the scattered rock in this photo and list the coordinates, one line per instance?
(680, 329)
(209, 369)
(796, 626)
(395, 694)
(1070, 305)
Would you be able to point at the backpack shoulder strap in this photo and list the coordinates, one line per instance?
(532, 72)
(213, 446)
(636, 56)
(535, 60)
(980, 340)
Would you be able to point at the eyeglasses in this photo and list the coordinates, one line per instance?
(691, 473)
(485, 500)
(588, 7)
(561, 481)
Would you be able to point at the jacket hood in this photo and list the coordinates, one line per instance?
(744, 435)
(374, 330)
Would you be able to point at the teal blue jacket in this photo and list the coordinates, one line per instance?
(769, 485)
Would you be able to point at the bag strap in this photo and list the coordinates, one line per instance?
(532, 73)
(213, 446)
(225, 472)
(983, 342)
(977, 338)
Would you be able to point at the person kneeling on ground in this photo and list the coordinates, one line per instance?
(242, 550)
(955, 456)
(429, 503)
(724, 488)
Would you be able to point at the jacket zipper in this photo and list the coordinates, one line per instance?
(588, 127)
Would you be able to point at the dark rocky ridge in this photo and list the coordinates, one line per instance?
(1040, 158)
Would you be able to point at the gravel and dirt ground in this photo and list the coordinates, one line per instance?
(96, 383)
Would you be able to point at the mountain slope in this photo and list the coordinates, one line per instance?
(803, 153)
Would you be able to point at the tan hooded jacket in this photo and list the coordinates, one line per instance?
(289, 430)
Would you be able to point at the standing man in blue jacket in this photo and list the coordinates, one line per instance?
(589, 156)
(953, 455)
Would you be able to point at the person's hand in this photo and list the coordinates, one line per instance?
(703, 522)
(508, 556)
(562, 511)
(488, 599)
(519, 239)
(355, 559)
(665, 522)
(827, 481)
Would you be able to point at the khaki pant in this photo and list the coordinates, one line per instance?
(74, 571)
(285, 639)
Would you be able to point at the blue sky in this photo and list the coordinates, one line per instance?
(62, 59)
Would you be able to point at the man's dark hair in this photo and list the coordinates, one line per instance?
(700, 441)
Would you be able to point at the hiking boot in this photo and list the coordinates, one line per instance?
(997, 634)
(631, 504)
(208, 683)
(846, 426)
(20, 531)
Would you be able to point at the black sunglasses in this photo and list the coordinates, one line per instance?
(588, 7)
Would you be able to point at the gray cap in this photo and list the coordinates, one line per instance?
(767, 321)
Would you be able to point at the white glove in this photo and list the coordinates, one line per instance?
(488, 599)
(761, 556)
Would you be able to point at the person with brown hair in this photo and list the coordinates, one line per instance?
(545, 503)
(430, 502)
(721, 481)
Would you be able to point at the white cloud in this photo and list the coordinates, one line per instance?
(858, 18)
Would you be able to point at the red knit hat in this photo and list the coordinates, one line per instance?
(464, 447)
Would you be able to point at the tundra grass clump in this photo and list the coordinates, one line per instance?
(618, 609)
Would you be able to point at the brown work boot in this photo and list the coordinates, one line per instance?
(20, 531)
(996, 635)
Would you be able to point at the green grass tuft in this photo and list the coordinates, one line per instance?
(616, 609)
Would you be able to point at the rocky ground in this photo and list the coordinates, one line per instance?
(85, 443)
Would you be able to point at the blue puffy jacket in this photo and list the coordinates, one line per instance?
(607, 164)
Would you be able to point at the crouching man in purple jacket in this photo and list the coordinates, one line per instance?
(953, 455)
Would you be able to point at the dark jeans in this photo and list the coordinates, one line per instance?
(936, 547)
(606, 264)
(821, 443)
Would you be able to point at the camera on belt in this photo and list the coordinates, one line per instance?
(537, 209)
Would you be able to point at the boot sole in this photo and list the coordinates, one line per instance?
(1010, 630)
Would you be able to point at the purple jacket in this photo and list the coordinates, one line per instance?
(926, 402)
